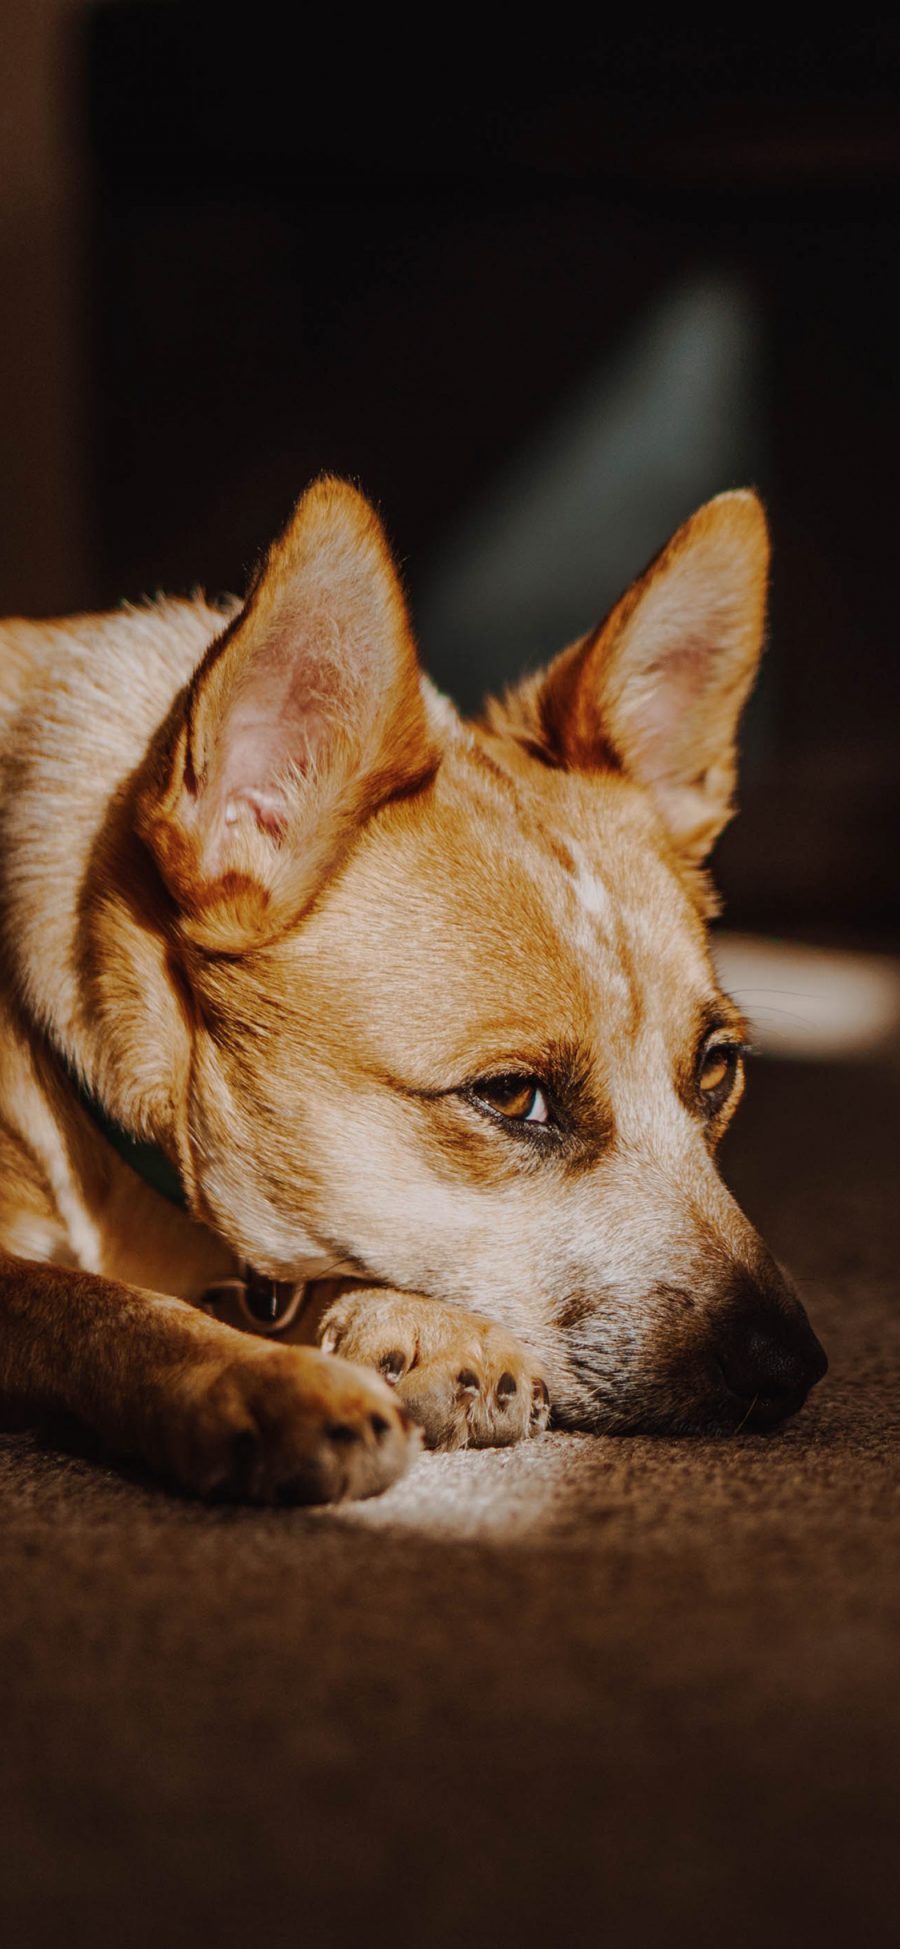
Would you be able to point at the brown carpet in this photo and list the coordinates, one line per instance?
(625, 1692)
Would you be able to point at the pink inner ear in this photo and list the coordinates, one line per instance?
(660, 715)
(282, 718)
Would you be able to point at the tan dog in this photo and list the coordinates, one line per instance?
(423, 1006)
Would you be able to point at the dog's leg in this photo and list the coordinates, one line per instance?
(466, 1380)
(218, 1412)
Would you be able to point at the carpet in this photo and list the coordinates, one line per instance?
(632, 1692)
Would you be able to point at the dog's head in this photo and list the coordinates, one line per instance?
(456, 1027)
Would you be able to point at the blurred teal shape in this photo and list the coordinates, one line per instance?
(675, 416)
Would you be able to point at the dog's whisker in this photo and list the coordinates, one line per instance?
(743, 1422)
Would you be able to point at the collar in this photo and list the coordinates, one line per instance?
(269, 1305)
(147, 1160)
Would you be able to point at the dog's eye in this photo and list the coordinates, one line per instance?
(717, 1072)
(520, 1098)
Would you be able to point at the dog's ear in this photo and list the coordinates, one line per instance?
(657, 690)
(303, 717)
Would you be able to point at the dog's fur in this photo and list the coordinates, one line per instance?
(291, 920)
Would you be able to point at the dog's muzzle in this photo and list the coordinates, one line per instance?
(766, 1355)
(730, 1348)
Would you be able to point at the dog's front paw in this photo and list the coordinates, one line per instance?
(466, 1381)
(280, 1424)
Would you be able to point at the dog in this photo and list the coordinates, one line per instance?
(391, 1036)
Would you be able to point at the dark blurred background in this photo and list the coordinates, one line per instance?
(540, 300)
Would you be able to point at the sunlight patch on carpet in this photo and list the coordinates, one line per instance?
(502, 1493)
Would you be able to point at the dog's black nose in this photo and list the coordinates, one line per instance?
(769, 1356)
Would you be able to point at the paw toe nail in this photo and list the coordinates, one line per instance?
(540, 1404)
(379, 1425)
(468, 1382)
(393, 1366)
(506, 1388)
